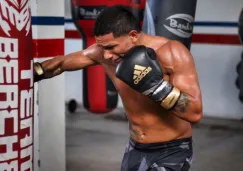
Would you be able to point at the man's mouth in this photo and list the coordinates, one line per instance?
(117, 60)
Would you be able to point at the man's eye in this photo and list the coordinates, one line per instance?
(109, 47)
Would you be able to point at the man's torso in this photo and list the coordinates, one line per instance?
(148, 121)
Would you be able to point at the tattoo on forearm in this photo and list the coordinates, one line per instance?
(182, 104)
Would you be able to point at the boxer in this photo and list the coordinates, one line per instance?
(157, 81)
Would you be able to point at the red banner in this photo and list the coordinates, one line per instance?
(16, 86)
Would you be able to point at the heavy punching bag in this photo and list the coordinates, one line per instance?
(99, 93)
(172, 19)
(16, 87)
(137, 7)
(239, 67)
(241, 26)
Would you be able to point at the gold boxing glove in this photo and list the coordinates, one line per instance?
(39, 73)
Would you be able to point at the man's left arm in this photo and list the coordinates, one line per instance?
(189, 104)
(183, 76)
(180, 94)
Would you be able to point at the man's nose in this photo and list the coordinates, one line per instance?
(107, 54)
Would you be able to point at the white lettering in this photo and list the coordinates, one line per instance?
(173, 23)
(13, 166)
(6, 115)
(28, 74)
(11, 71)
(25, 153)
(180, 25)
(8, 142)
(26, 103)
(90, 14)
(27, 140)
(8, 47)
(11, 92)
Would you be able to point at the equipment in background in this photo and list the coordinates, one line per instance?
(241, 26)
(17, 104)
(99, 94)
(138, 7)
(239, 79)
(172, 19)
(239, 68)
(72, 105)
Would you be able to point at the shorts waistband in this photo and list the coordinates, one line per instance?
(161, 145)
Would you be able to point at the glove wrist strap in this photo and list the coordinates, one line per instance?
(39, 73)
(171, 99)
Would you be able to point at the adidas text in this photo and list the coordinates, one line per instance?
(143, 74)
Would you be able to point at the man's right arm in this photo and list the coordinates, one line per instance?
(71, 62)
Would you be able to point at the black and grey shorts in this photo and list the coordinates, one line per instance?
(174, 155)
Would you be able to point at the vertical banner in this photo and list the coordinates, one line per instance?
(16, 86)
(172, 19)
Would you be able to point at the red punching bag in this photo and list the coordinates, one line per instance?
(16, 87)
(99, 93)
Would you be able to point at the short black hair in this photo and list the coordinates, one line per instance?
(118, 20)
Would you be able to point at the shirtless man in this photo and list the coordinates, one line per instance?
(158, 84)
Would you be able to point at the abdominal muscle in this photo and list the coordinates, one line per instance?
(148, 121)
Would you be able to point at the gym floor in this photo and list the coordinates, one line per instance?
(96, 143)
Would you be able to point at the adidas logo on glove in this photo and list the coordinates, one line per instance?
(140, 72)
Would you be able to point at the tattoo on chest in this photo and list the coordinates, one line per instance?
(182, 104)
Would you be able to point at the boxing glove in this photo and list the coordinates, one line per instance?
(140, 69)
(38, 72)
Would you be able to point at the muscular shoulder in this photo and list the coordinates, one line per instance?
(94, 52)
(175, 57)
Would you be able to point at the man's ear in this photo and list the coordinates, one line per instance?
(133, 34)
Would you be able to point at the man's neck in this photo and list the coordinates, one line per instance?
(143, 39)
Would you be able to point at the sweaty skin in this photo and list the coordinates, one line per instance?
(148, 121)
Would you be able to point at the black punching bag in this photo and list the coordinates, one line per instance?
(137, 7)
(172, 19)
(241, 26)
(99, 93)
(240, 65)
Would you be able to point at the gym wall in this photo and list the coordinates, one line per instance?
(216, 49)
